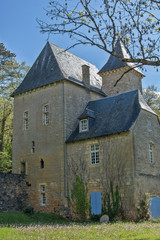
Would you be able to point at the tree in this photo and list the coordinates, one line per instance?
(79, 200)
(77, 179)
(136, 23)
(11, 74)
(152, 98)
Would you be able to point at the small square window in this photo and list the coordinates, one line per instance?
(46, 108)
(42, 188)
(83, 125)
(25, 114)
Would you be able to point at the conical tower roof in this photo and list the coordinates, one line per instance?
(115, 63)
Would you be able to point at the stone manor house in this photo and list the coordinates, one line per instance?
(70, 118)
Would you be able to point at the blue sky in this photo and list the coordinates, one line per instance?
(20, 33)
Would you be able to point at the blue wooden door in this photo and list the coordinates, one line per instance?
(155, 207)
(96, 206)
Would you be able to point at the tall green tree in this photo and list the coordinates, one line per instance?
(11, 75)
(152, 98)
(101, 23)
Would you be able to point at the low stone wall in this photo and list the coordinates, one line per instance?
(13, 192)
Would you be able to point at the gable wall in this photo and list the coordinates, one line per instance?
(129, 82)
(146, 174)
(115, 165)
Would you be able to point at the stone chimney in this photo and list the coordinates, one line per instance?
(86, 75)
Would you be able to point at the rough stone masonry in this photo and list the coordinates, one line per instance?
(13, 192)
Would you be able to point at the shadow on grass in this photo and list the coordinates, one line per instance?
(20, 218)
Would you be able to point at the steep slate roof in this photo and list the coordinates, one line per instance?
(112, 115)
(55, 64)
(114, 63)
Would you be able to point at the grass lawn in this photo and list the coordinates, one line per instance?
(50, 226)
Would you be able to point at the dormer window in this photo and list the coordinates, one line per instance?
(83, 125)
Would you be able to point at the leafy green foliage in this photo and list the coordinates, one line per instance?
(29, 210)
(11, 75)
(111, 203)
(152, 98)
(143, 212)
(95, 217)
(79, 200)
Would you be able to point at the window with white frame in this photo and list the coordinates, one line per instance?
(151, 152)
(94, 150)
(43, 195)
(149, 124)
(83, 125)
(46, 115)
(26, 121)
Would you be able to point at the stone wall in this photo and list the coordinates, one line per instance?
(147, 174)
(115, 165)
(130, 81)
(66, 101)
(13, 192)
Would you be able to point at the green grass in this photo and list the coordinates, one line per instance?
(50, 226)
(25, 219)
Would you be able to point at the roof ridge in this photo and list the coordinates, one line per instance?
(72, 54)
(63, 74)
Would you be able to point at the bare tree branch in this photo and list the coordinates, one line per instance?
(101, 23)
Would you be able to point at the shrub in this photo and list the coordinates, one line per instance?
(29, 210)
(112, 203)
(143, 212)
(95, 218)
(79, 199)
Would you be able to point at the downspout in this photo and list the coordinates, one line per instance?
(64, 146)
(64, 153)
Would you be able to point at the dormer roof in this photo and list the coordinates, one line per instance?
(55, 64)
(88, 113)
(115, 63)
